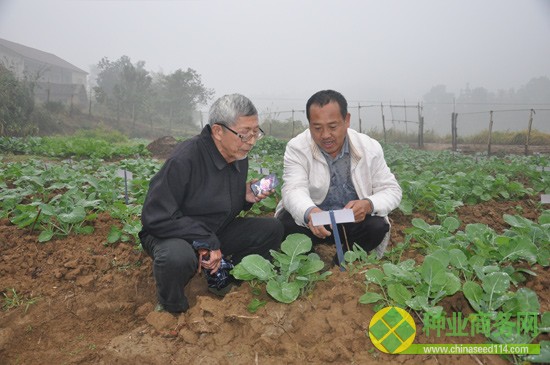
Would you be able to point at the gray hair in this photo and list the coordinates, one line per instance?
(229, 108)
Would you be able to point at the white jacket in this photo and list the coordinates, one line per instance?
(306, 177)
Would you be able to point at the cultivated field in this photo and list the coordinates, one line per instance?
(470, 237)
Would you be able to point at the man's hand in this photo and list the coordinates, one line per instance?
(251, 198)
(319, 231)
(214, 261)
(360, 208)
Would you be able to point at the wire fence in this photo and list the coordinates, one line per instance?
(416, 124)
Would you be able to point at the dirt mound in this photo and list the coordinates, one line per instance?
(162, 147)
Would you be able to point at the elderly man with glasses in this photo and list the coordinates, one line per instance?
(194, 200)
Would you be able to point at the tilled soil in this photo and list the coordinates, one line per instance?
(81, 302)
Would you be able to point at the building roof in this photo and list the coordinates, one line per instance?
(38, 55)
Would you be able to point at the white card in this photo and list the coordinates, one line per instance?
(340, 216)
(545, 198)
(129, 175)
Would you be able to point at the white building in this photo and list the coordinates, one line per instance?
(56, 80)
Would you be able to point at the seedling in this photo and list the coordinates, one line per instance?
(13, 300)
(292, 273)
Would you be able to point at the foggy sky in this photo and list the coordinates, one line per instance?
(280, 52)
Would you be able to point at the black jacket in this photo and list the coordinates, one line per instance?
(195, 194)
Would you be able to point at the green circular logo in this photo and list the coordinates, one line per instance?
(392, 330)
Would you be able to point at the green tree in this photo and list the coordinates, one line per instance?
(16, 104)
(123, 87)
(179, 94)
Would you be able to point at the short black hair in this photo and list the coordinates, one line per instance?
(324, 97)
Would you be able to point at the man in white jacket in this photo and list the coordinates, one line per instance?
(330, 166)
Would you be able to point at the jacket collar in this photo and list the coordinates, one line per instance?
(212, 149)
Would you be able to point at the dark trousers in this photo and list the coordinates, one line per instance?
(368, 234)
(175, 261)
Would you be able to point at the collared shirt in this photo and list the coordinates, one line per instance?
(196, 193)
(341, 189)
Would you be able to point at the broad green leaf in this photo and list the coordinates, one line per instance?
(543, 357)
(406, 206)
(269, 203)
(420, 223)
(434, 311)
(370, 297)
(399, 293)
(256, 265)
(477, 261)
(452, 284)
(519, 248)
(442, 256)
(351, 256)
(495, 302)
(395, 271)
(543, 256)
(77, 215)
(483, 271)
(310, 266)
(47, 209)
(544, 218)
(282, 291)
(545, 322)
(240, 273)
(418, 303)
(114, 235)
(282, 258)
(509, 338)
(45, 236)
(431, 269)
(458, 259)
(524, 300)
(407, 265)
(296, 244)
(451, 224)
(516, 221)
(375, 276)
(474, 293)
(24, 220)
(496, 283)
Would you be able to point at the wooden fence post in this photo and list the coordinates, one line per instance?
(528, 136)
(383, 122)
(292, 124)
(490, 133)
(359, 115)
(454, 137)
(420, 127)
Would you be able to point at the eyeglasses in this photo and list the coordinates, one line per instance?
(245, 138)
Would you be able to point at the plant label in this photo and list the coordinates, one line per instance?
(124, 174)
(341, 216)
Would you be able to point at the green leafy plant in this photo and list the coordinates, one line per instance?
(417, 287)
(357, 259)
(128, 215)
(13, 300)
(293, 272)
